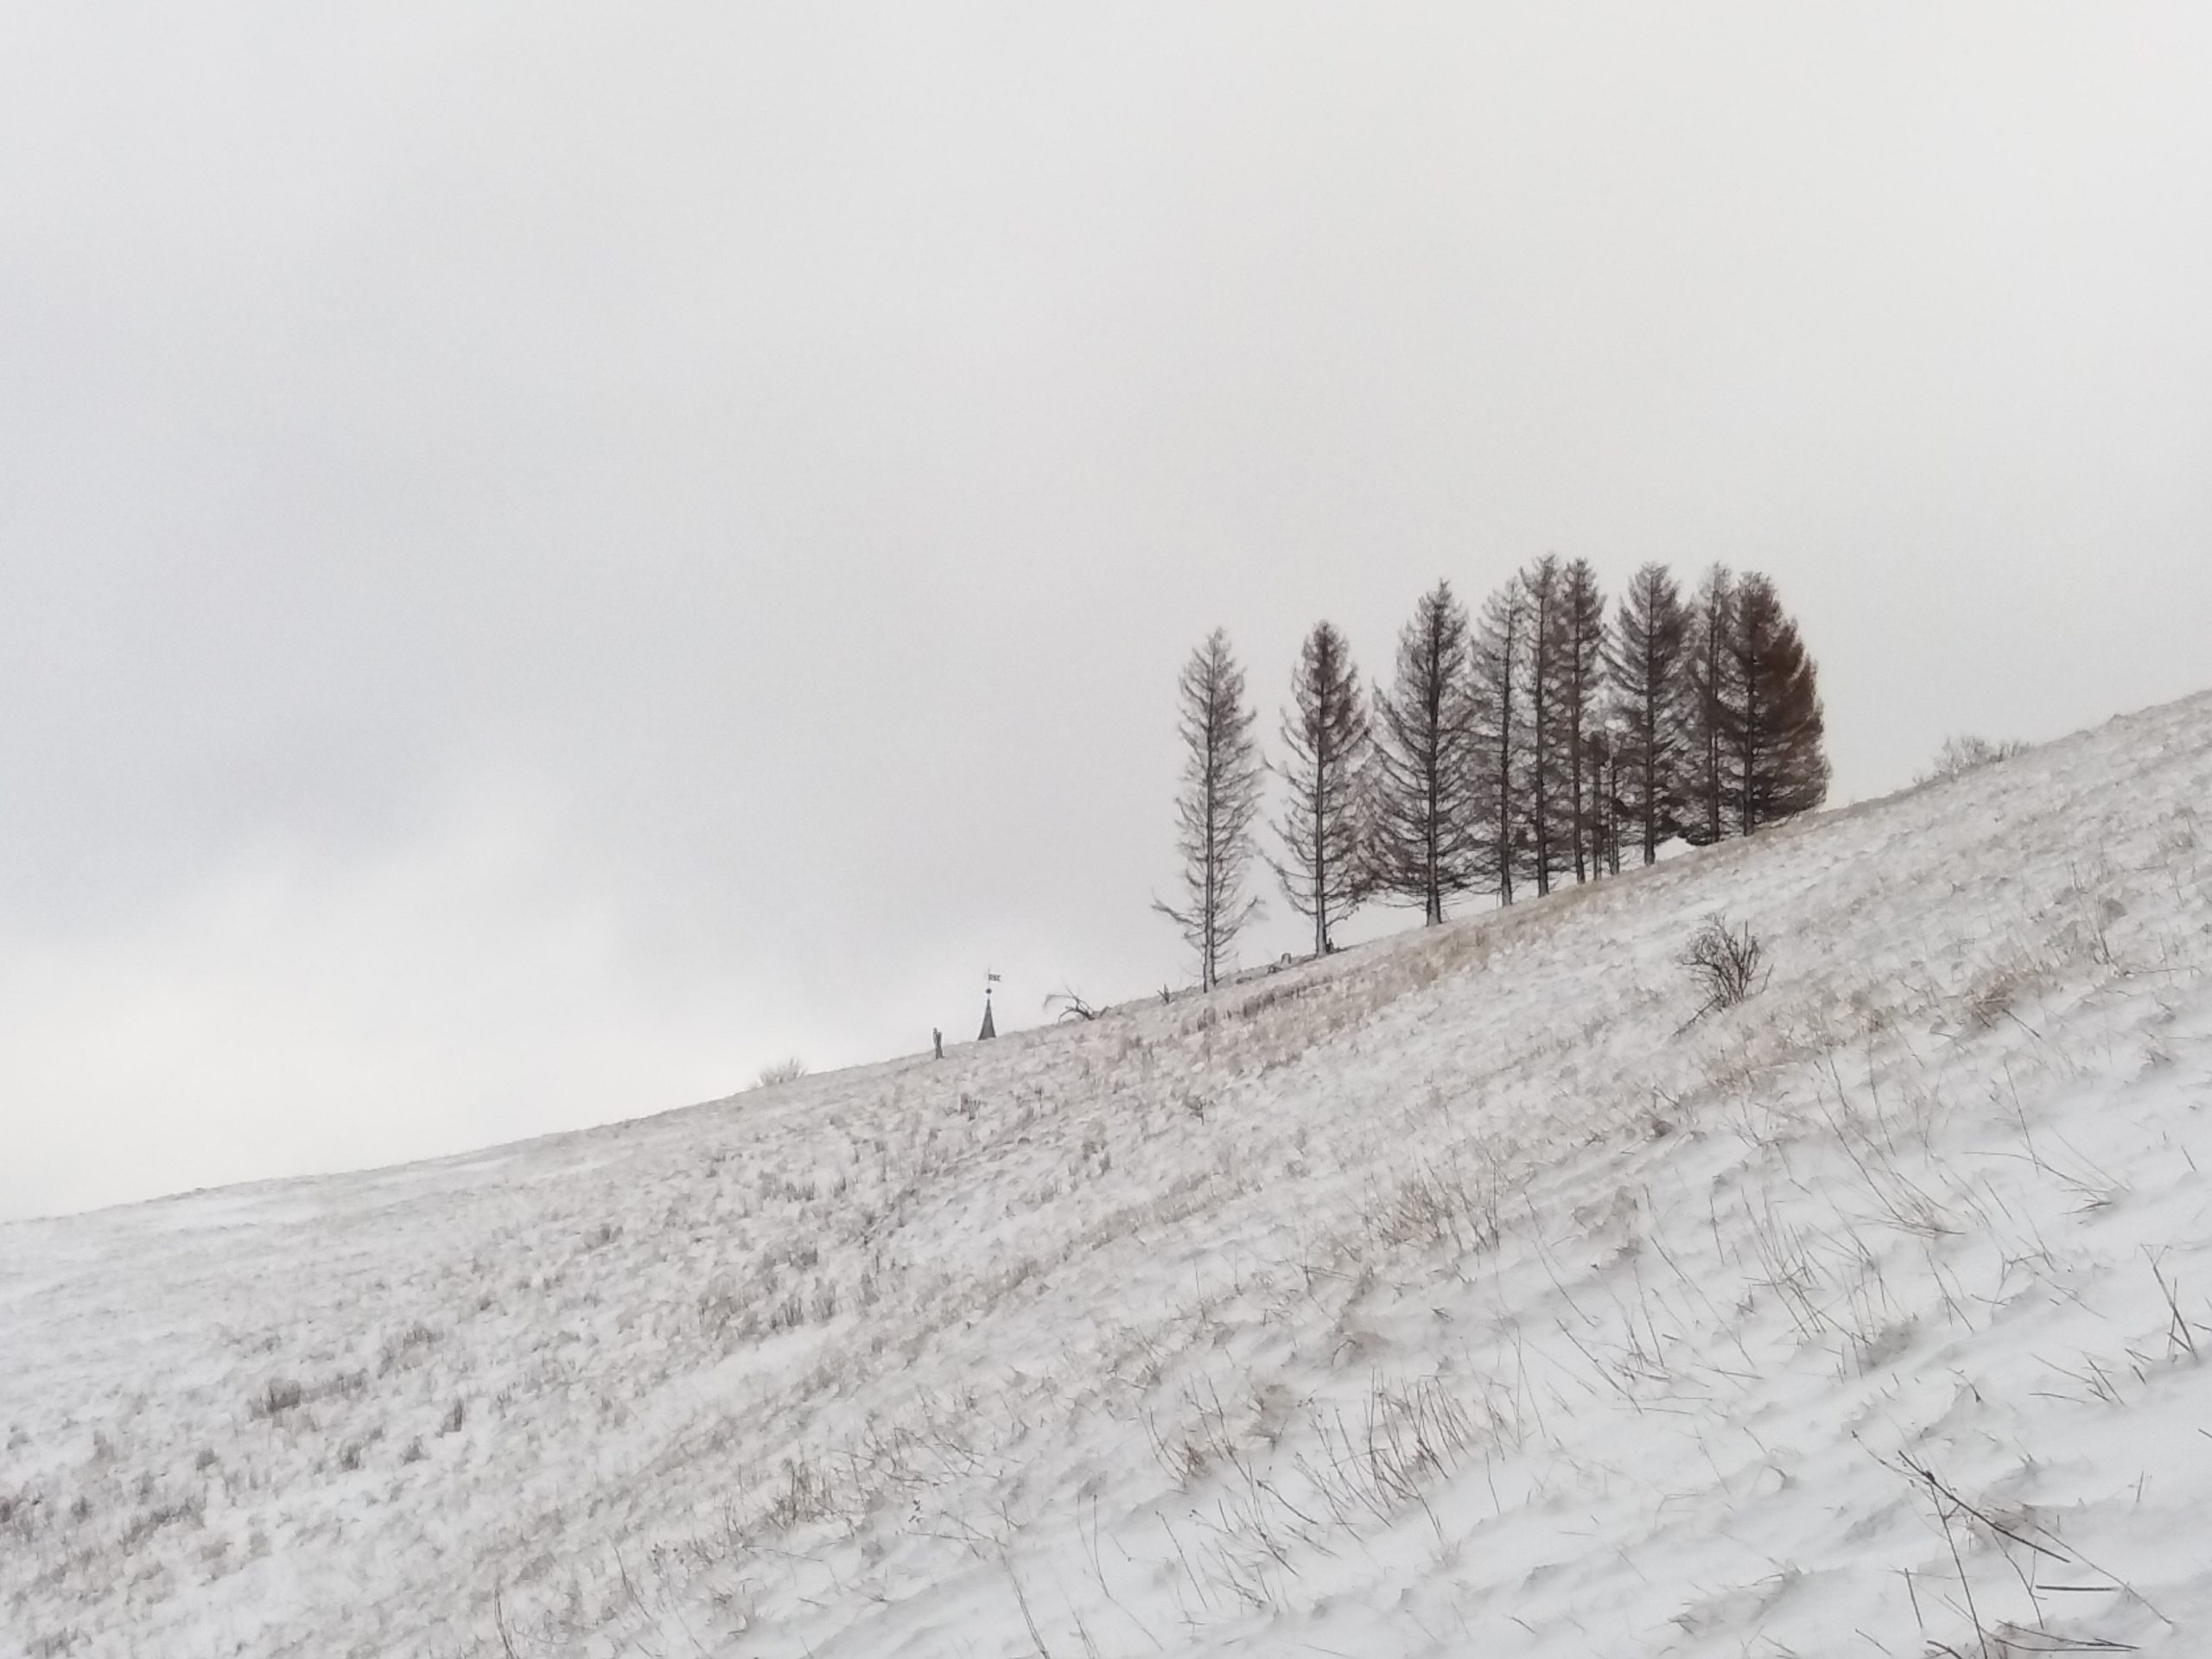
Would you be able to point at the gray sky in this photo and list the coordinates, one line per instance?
(552, 555)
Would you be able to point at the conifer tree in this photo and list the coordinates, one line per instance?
(1647, 682)
(1777, 755)
(1421, 844)
(1603, 752)
(1615, 823)
(1580, 665)
(1499, 674)
(1545, 807)
(1323, 826)
(1708, 694)
(1215, 807)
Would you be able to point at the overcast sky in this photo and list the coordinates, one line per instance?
(552, 555)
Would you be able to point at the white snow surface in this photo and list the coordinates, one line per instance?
(1459, 1295)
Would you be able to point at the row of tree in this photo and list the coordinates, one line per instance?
(1535, 741)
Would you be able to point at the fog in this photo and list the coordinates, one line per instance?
(550, 556)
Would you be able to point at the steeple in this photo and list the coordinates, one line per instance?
(990, 1027)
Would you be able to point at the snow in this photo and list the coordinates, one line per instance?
(1459, 1294)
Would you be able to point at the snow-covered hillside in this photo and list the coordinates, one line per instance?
(1458, 1296)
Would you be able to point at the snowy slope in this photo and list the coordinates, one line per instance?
(1454, 1296)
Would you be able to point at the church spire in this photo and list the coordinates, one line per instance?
(990, 1027)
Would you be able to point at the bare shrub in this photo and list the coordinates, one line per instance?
(789, 1069)
(1724, 961)
(1071, 1005)
(1964, 754)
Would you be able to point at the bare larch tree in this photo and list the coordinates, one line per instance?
(1579, 663)
(1651, 725)
(1323, 827)
(1548, 808)
(1708, 676)
(1606, 826)
(1421, 844)
(1777, 756)
(1499, 666)
(1215, 807)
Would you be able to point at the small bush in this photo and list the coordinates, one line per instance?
(784, 1070)
(1963, 754)
(1724, 961)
